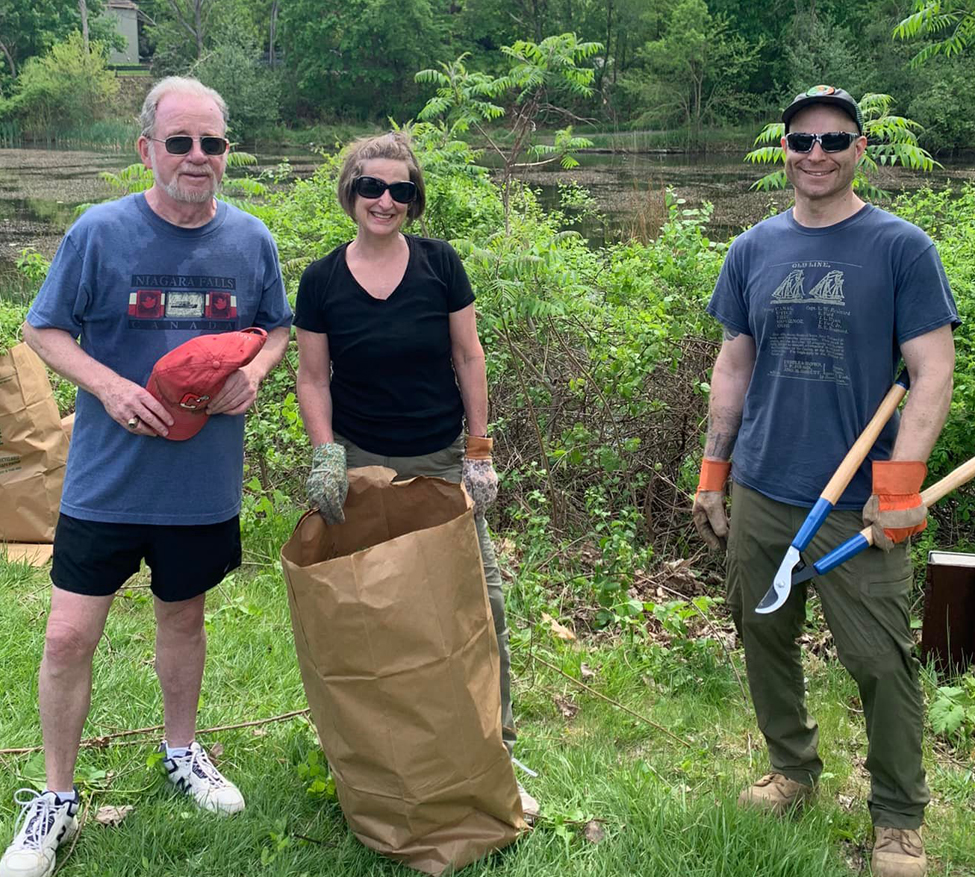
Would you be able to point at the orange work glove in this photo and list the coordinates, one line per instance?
(895, 510)
(710, 517)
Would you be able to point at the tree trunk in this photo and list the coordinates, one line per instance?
(198, 11)
(195, 29)
(10, 60)
(609, 37)
(83, 9)
(272, 35)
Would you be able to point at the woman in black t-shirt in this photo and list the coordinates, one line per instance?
(390, 363)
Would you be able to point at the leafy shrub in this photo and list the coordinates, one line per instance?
(11, 319)
(68, 87)
(952, 711)
(949, 217)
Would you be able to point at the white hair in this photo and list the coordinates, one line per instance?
(177, 85)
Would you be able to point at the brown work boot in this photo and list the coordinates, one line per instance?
(775, 793)
(898, 852)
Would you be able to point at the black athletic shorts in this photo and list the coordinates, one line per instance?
(96, 558)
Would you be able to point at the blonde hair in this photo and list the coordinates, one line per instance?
(177, 85)
(394, 146)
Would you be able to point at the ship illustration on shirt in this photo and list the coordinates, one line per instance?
(829, 290)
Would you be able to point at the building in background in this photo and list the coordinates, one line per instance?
(126, 14)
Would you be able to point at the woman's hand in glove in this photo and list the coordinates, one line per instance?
(328, 482)
(478, 475)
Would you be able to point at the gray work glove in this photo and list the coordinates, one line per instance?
(711, 518)
(328, 482)
(708, 512)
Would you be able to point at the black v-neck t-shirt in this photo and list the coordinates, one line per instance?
(393, 387)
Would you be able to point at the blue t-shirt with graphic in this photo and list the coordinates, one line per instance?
(828, 309)
(131, 287)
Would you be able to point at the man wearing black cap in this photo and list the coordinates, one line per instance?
(819, 304)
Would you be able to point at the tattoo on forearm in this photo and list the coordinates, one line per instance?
(723, 426)
(730, 334)
(719, 444)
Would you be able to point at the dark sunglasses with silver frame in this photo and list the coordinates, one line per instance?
(181, 144)
(832, 141)
(372, 187)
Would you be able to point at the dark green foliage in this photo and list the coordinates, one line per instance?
(686, 67)
(253, 93)
(356, 59)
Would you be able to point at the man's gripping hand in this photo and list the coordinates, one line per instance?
(238, 393)
(895, 510)
(328, 482)
(133, 407)
(708, 512)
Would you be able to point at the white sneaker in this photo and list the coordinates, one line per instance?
(530, 807)
(44, 823)
(196, 775)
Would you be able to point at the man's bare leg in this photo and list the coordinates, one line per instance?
(181, 647)
(74, 626)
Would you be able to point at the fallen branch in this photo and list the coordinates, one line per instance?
(106, 739)
(615, 703)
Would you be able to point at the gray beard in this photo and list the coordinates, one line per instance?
(194, 197)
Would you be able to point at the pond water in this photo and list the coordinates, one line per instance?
(40, 190)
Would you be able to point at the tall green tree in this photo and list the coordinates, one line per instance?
(691, 74)
(233, 66)
(356, 59)
(539, 76)
(182, 32)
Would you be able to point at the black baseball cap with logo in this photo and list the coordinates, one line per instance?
(825, 94)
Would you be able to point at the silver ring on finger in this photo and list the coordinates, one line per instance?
(132, 422)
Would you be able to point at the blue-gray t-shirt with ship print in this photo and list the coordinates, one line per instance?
(131, 287)
(828, 309)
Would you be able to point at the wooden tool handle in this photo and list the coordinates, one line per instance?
(952, 481)
(861, 447)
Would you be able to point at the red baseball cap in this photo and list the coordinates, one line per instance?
(187, 377)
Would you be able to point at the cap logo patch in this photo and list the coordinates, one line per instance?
(192, 401)
(820, 90)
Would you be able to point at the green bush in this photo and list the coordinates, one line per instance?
(949, 217)
(946, 106)
(65, 88)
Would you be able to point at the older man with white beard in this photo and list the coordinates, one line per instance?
(132, 280)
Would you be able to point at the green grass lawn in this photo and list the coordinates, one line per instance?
(664, 808)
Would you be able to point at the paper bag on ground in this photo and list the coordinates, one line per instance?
(33, 449)
(399, 660)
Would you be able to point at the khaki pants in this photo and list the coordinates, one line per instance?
(867, 607)
(447, 464)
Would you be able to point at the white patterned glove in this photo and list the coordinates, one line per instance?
(480, 479)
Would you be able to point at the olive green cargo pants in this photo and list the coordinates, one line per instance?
(867, 607)
(447, 464)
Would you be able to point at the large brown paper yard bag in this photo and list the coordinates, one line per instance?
(399, 660)
(33, 449)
